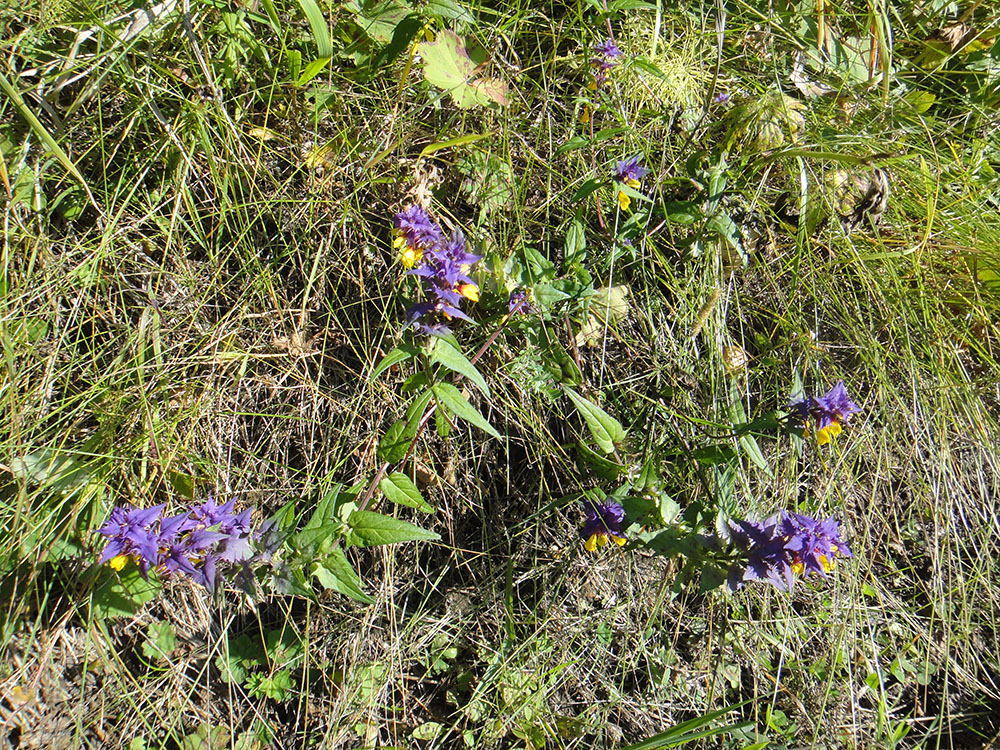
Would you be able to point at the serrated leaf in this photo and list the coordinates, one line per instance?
(336, 573)
(447, 66)
(605, 429)
(445, 354)
(449, 397)
(374, 528)
(401, 490)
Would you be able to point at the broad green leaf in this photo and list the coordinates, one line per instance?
(577, 141)
(120, 594)
(605, 429)
(450, 10)
(447, 65)
(371, 529)
(401, 353)
(401, 490)
(319, 27)
(312, 70)
(336, 573)
(601, 466)
(445, 354)
(682, 212)
(324, 508)
(59, 470)
(161, 640)
(617, 6)
(576, 242)
(396, 441)
(449, 397)
(587, 188)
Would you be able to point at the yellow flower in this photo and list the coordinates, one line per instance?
(828, 433)
(469, 291)
(625, 200)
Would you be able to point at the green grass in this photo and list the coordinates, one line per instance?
(208, 323)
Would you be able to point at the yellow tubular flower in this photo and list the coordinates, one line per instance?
(469, 291)
(410, 256)
(828, 433)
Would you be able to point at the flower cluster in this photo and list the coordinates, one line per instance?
(607, 58)
(194, 543)
(783, 546)
(629, 172)
(603, 524)
(444, 265)
(829, 411)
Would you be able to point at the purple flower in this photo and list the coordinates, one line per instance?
(130, 533)
(192, 543)
(629, 172)
(519, 303)
(417, 228)
(813, 544)
(721, 98)
(608, 50)
(785, 545)
(829, 411)
(765, 555)
(603, 524)
(630, 169)
(444, 266)
(608, 54)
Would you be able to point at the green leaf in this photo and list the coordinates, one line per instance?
(449, 397)
(450, 10)
(395, 443)
(691, 730)
(312, 70)
(601, 466)
(374, 528)
(58, 470)
(276, 687)
(320, 29)
(401, 353)
(447, 66)
(605, 429)
(120, 594)
(401, 490)
(587, 188)
(336, 573)
(161, 640)
(576, 242)
(682, 212)
(15, 97)
(447, 355)
(462, 140)
(324, 508)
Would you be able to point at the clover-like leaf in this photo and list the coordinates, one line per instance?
(448, 66)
